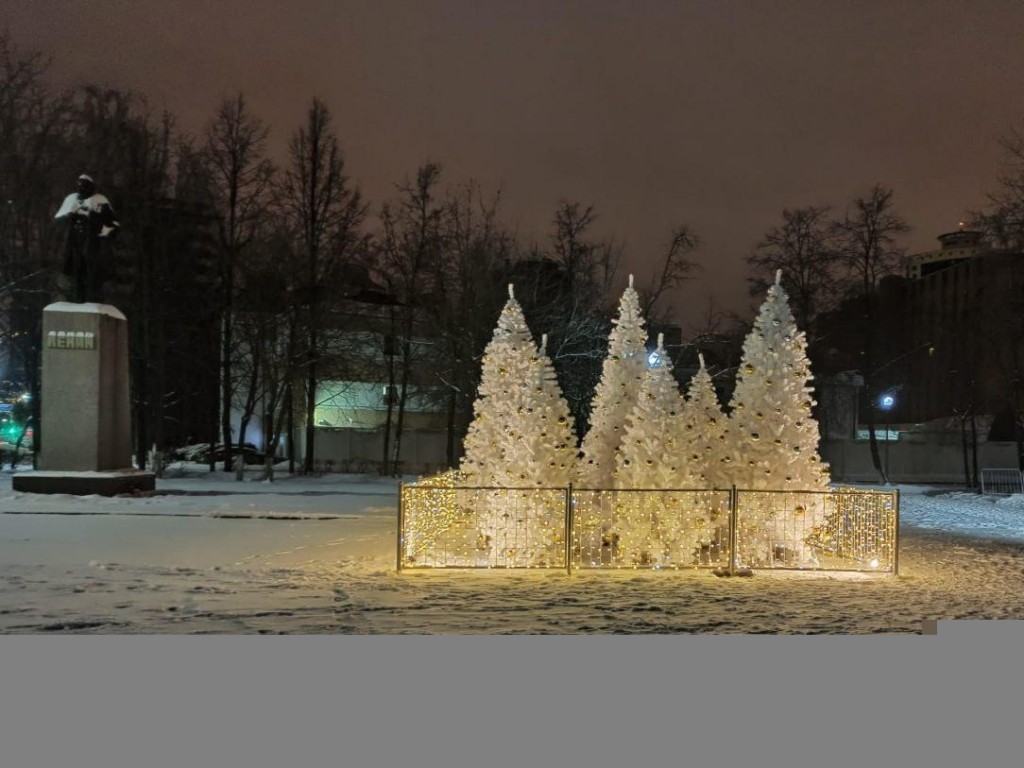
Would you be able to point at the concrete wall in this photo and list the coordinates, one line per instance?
(921, 459)
(933, 459)
(359, 450)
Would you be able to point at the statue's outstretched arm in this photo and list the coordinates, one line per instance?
(68, 206)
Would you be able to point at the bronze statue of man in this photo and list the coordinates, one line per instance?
(91, 226)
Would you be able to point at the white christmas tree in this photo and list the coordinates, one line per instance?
(520, 437)
(704, 435)
(616, 393)
(494, 450)
(656, 528)
(649, 455)
(774, 437)
(555, 442)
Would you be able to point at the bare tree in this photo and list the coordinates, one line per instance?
(266, 335)
(675, 267)
(326, 211)
(803, 248)
(866, 238)
(1003, 221)
(411, 246)
(565, 292)
(240, 176)
(469, 293)
(132, 151)
(35, 129)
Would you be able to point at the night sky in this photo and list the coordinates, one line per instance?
(715, 113)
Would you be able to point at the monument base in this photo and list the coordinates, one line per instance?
(109, 483)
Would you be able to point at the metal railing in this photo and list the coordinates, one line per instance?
(447, 526)
(1004, 481)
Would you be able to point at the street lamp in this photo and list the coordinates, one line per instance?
(886, 402)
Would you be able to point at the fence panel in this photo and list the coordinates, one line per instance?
(1006, 481)
(650, 528)
(841, 530)
(446, 526)
(454, 527)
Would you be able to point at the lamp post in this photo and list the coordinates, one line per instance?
(886, 402)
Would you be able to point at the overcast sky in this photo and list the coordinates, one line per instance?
(713, 113)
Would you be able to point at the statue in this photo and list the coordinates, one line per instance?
(91, 226)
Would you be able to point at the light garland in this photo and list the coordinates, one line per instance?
(444, 525)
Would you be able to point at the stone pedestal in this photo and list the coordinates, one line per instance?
(86, 416)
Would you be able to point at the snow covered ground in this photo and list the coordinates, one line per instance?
(206, 554)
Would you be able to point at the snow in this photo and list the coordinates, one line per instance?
(91, 473)
(206, 554)
(88, 307)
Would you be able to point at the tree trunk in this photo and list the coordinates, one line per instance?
(403, 392)
(389, 353)
(964, 451)
(247, 413)
(876, 458)
(1018, 433)
(225, 380)
(974, 451)
(290, 424)
(240, 464)
(450, 441)
(308, 459)
(35, 387)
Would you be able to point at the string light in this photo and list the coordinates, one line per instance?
(445, 525)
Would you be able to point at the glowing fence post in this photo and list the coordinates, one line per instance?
(568, 529)
(733, 506)
(401, 525)
(896, 538)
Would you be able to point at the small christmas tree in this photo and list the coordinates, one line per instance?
(774, 437)
(616, 393)
(704, 435)
(555, 442)
(649, 455)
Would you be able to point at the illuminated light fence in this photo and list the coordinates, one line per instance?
(650, 528)
(448, 527)
(442, 525)
(839, 530)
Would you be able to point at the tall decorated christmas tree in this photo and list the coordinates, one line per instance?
(616, 393)
(774, 436)
(521, 437)
(705, 434)
(495, 453)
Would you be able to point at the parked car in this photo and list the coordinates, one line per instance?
(201, 453)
